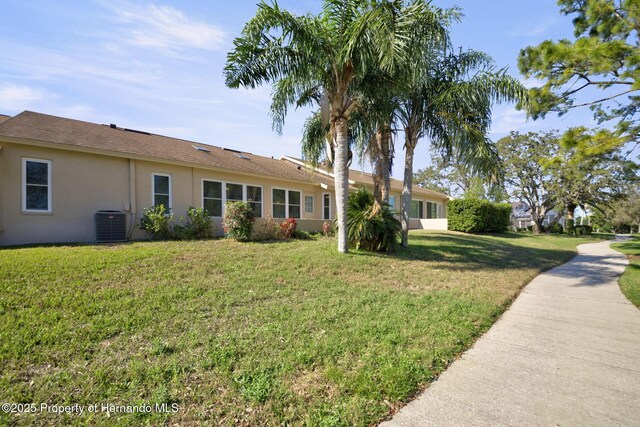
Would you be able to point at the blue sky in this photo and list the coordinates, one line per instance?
(157, 66)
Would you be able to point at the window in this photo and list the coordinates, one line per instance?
(279, 203)
(162, 190)
(286, 203)
(36, 185)
(326, 206)
(294, 204)
(432, 210)
(212, 197)
(416, 209)
(308, 204)
(234, 192)
(254, 197)
(392, 203)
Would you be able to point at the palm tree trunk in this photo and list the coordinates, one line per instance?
(381, 157)
(407, 187)
(341, 181)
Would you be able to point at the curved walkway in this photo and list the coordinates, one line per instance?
(567, 353)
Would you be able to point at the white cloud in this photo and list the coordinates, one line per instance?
(14, 97)
(164, 28)
(531, 82)
(507, 120)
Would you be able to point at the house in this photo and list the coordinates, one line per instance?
(56, 173)
(521, 216)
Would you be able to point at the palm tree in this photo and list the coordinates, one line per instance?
(447, 98)
(309, 57)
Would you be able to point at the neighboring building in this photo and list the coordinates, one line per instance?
(56, 173)
(521, 216)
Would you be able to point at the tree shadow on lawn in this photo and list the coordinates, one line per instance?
(472, 252)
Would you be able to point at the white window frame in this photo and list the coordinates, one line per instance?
(244, 196)
(286, 200)
(153, 189)
(323, 206)
(313, 201)
(24, 186)
(422, 211)
(437, 210)
(224, 194)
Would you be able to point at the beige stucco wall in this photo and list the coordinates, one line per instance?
(439, 224)
(84, 183)
(81, 184)
(187, 191)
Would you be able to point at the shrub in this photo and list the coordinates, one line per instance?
(198, 225)
(238, 220)
(288, 228)
(478, 216)
(157, 221)
(160, 224)
(556, 228)
(302, 235)
(327, 229)
(269, 229)
(569, 226)
(368, 231)
(583, 230)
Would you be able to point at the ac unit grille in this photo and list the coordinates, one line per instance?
(111, 226)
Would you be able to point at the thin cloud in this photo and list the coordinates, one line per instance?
(164, 28)
(532, 31)
(508, 120)
(15, 97)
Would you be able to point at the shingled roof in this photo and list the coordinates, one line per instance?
(31, 126)
(365, 178)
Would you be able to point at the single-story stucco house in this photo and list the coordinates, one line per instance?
(56, 173)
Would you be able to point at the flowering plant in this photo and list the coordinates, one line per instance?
(288, 228)
(238, 220)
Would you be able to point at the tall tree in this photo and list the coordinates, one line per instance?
(584, 174)
(605, 55)
(628, 211)
(447, 98)
(550, 172)
(456, 179)
(523, 156)
(327, 54)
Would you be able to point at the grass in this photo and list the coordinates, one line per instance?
(253, 333)
(630, 280)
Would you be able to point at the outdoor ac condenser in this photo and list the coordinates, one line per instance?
(111, 226)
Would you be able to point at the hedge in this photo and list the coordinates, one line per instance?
(478, 216)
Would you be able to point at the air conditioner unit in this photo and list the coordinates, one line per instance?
(111, 226)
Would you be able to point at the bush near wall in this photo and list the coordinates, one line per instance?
(478, 216)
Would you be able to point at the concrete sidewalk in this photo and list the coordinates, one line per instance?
(567, 353)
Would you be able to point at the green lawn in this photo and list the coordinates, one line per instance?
(253, 333)
(630, 280)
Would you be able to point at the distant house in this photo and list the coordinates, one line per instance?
(56, 173)
(521, 216)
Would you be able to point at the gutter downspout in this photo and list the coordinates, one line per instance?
(132, 197)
